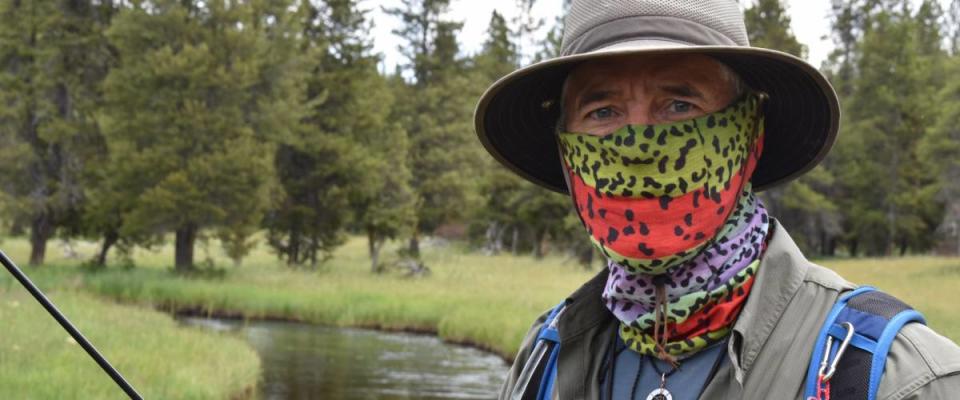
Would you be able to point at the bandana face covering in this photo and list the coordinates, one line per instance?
(671, 208)
(652, 196)
(698, 300)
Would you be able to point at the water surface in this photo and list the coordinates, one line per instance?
(302, 361)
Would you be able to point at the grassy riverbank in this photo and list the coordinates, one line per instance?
(472, 298)
(162, 360)
(469, 298)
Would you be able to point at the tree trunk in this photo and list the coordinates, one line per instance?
(374, 245)
(515, 243)
(40, 231)
(892, 210)
(538, 245)
(109, 239)
(314, 246)
(822, 246)
(414, 247)
(372, 250)
(500, 231)
(853, 247)
(183, 250)
(491, 237)
(293, 248)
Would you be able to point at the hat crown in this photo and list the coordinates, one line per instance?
(722, 17)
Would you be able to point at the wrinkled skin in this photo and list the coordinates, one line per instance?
(603, 95)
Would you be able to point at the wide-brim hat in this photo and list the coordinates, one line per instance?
(516, 117)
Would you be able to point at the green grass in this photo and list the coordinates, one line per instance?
(38, 360)
(487, 301)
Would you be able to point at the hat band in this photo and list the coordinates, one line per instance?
(655, 28)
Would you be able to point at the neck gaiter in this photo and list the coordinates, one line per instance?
(671, 208)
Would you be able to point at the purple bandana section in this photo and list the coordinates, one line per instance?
(631, 295)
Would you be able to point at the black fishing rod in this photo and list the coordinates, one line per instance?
(65, 323)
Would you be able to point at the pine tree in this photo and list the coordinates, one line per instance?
(54, 58)
(886, 192)
(803, 205)
(526, 26)
(384, 208)
(349, 167)
(551, 44)
(513, 209)
(190, 113)
(423, 31)
(941, 148)
(953, 27)
(319, 178)
(499, 55)
(443, 150)
(498, 216)
(768, 25)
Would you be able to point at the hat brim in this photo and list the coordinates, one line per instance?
(515, 118)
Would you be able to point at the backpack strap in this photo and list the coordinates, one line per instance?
(852, 345)
(550, 334)
(540, 371)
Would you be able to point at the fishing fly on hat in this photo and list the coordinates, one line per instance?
(516, 117)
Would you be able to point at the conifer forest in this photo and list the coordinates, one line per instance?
(133, 123)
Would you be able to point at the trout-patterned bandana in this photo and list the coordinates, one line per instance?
(672, 209)
(703, 296)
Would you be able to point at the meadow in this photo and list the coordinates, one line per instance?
(485, 301)
(38, 360)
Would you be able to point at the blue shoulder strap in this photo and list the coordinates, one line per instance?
(550, 336)
(855, 339)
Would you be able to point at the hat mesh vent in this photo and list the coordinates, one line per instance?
(723, 16)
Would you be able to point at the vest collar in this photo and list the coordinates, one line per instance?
(585, 308)
(779, 277)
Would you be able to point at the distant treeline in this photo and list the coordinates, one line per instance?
(128, 121)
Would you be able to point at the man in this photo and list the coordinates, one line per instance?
(662, 124)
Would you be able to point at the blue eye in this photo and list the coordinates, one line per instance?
(680, 106)
(601, 113)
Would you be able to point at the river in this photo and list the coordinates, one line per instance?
(302, 361)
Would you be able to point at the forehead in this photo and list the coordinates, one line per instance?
(693, 70)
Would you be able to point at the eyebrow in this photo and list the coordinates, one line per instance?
(682, 90)
(595, 95)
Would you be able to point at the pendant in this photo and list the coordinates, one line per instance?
(660, 394)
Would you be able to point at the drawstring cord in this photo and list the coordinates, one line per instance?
(661, 334)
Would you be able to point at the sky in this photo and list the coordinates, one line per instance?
(810, 24)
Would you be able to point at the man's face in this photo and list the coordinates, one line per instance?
(605, 95)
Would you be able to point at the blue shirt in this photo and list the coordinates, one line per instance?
(634, 371)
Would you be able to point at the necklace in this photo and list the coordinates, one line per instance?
(661, 393)
(616, 347)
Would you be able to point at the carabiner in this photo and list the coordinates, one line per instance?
(827, 373)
